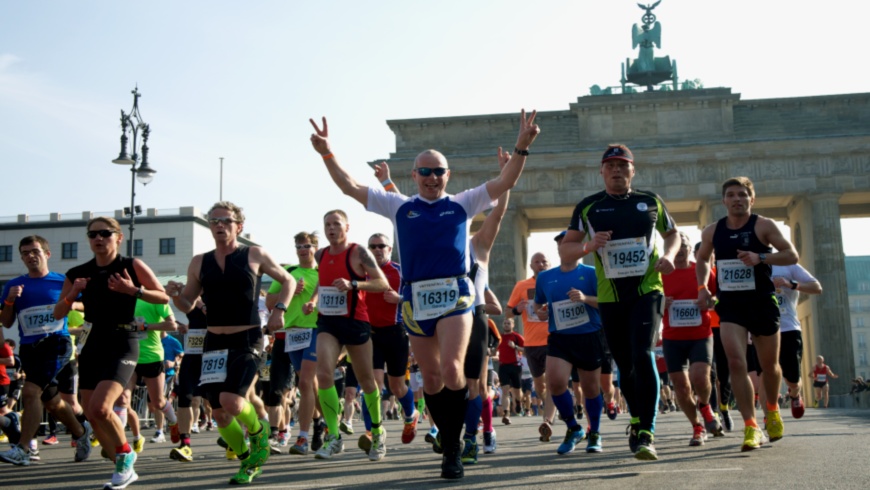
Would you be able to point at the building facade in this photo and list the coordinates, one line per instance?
(858, 275)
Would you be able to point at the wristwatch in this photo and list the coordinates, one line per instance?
(794, 284)
(354, 285)
(762, 258)
(139, 292)
(281, 306)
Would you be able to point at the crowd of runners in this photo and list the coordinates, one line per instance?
(708, 328)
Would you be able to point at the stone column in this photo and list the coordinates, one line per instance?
(507, 262)
(816, 235)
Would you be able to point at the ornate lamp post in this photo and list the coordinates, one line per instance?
(133, 123)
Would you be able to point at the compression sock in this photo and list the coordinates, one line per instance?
(706, 412)
(565, 405)
(421, 404)
(486, 415)
(234, 436)
(373, 402)
(455, 404)
(121, 412)
(248, 416)
(170, 413)
(407, 402)
(330, 407)
(472, 415)
(594, 407)
(367, 417)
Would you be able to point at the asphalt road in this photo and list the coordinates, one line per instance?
(825, 449)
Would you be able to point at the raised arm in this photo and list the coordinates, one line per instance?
(510, 174)
(382, 173)
(484, 238)
(349, 186)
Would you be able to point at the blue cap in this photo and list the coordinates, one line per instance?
(619, 152)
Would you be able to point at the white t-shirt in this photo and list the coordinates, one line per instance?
(788, 297)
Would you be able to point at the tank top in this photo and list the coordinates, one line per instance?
(821, 373)
(338, 266)
(381, 313)
(726, 243)
(232, 294)
(106, 309)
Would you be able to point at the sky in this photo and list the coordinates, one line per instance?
(240, 80)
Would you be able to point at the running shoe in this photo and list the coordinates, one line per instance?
(451, 462)
(753, 438)
(124, 473)
(260, 449)
(332, 445)
(699, 436)
(317, 436)
(489, 442)
(726, 421)
(3, 437)
(246, 474)
(506, 420)
(194, 429)
(182, 453)
(174, 436)
(94, 441)
(158, 437)
(430, 436)
(714, 427)
(301, 446)
(379, 448)
(646, 450)
(631, 431)
(83, 443)
(774, 425)
(611, 411)
(16, 455)
(274, 446)
(34, 452)
(409, 432)
(593, 443)
(283, 438)
(138, 444)
(231, 455)
(797, 407)
(572, 438)
(671, 406)
(51, 440)
(346, 427)
(436, 446)
(469, 450)
(546, 430)
(365, 442)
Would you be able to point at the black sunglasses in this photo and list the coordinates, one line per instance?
(426, 171)
(378, 245)
(225, 220)
(304, 245)
(102, 233)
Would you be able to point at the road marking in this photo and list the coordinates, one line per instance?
(624, 473)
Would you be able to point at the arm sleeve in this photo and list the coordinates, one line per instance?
(475, 201)
(666, 222)
(384, 203)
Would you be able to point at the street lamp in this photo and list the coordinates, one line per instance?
(143, 173)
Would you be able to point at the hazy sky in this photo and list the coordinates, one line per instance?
(239, 80)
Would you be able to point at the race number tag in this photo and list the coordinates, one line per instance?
(684, 313)
(434, 297)
(39, 320)
(337, 375)
(332, 301)
(297, 339)
(418, 376)
(627, 257)
(780, 300)
(214, 367)
(734, 275)
(569, 314)
(194, 341)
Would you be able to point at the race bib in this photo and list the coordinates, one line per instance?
(434, 297)
(194, 341)
(568, 314)
(780, 300)
(684, 313)
(297, 339)
(214, 367)
(734, 275)
(627, 257)
(337, 375)
(821, 378)
(332, 302)
(418, 376)
(39, 320)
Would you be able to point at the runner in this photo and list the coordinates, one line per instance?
(45, 350)
(437, 296)
(300, 352)
(790, 281)
(10, 421)
(688, 345)
(620, 222)
(343, 321)
(509, 370)
(747, 304)
(821, 372)
(187, 391)
(229, 280)
(567, 297)
(109, 286)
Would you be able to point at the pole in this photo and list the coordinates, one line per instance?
(222, 180)
(132, 198)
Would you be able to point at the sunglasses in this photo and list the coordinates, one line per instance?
(225, 220)
(305, 246)
(378, 245)
(102, 233)
(426, 171)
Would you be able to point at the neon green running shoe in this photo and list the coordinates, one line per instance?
(246, 474)
(774, 425)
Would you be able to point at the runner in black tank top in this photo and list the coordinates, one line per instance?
(747, 305)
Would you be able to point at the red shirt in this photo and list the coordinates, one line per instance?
(683, 285)
(338, 266)
(5, 351)
(506, 353)
(381, 313)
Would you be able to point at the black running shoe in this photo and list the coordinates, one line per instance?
(451, 465)
(317, 436)
(632, 431)
(646, 451)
